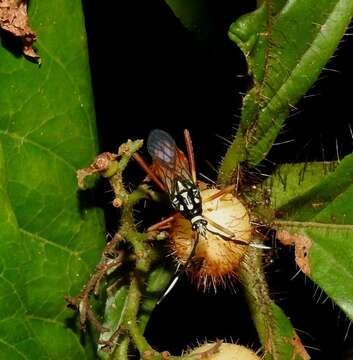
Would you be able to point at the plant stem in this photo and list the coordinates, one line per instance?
(234, 157)
(258, 299)
(133, 304)
(121, 352)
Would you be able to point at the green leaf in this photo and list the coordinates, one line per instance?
(158, 282)
(198, 16)
(286, 45)
(319, 216)
(292, 180)
(116, 304)
(192, 14)
(113, 317)
(50, 240)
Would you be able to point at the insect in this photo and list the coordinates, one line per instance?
(175, 173)
(172, 167)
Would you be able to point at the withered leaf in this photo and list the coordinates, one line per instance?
(302, 248)
(14, 19)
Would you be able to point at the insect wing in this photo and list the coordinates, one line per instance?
(169, 162)
(161, 146)
(182, 170)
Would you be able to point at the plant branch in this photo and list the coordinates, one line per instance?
(258, 299)
(122, 351)
(144, 254)
(235, 155)
(81, 302)
(126, 314)
(133, 302)
(277, 336)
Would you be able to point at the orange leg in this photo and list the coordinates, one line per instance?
(226, 190)
(191, 157)
(148, 171)
(162, 224)
(219, 227)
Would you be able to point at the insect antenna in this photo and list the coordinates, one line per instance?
(191, 156)
(239, 242)
(148, 171)
(181, 270)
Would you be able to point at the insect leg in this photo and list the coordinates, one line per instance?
(162, 223)
(191, 157)
(148, 171)
(231, 236)
(226, 190)
(181, 270)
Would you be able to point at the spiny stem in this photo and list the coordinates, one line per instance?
(127, 151)
(112, 166)
(81, 301)
(234, 157)
(122, 350)
(256, 293)
(134, 299)
(145, 255)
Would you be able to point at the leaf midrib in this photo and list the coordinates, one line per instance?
(311, 224)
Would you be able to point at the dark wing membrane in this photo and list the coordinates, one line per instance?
(168, 176)
(161, 146)
(169, 162)
(165, 175)
(182, 169)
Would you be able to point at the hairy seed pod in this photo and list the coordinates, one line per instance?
(224, 351)
(216, 259)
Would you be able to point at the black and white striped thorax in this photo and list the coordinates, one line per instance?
(186, 198)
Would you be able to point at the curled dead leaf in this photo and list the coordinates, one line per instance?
(14, 19)
(302, 247)
(103, 163)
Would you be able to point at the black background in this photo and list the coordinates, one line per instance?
(149, 72)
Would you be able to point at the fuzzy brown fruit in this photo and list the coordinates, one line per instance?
(225, 351)
(216, 260)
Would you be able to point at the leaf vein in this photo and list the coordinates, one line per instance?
(58, 61)
(15, 136)
(52, 243)
(12, 347)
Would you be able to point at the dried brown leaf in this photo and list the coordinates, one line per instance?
(14, 19)
(302, 247)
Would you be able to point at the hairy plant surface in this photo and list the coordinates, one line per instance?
(52, 235)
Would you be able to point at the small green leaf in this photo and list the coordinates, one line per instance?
(198, 17)
(321, 213)
(50, 240)
(286, 46)
(192, 14)
(158, 281)
(292, 180)
(286, 340)
(113, 317)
